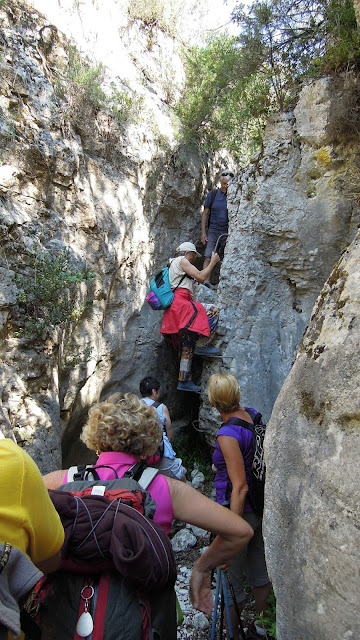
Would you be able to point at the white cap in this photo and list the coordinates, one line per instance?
(187, 246)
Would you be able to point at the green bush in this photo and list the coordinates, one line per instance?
(267, 620)
(81, 85)
(156, 13)
(82, 79)
(47, 295)
(125, 106)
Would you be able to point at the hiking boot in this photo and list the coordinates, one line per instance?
(252, 634)
(207, 351)
(188, 386)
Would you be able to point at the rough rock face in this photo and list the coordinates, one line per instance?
(357, 11)
(311, 519)
(75, 177)
(292, 212)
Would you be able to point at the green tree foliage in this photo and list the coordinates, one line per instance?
(209, 73)
(288, 39)
(223, 102)
(233, 84)
(47, 294)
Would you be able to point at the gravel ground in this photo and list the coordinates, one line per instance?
(196, 625)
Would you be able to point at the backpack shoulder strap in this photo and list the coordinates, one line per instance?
(147, 477)
(79, 472)
(254, 415)
(87, 472)
(213, 196)
(237, 422)
(157, 405)
(180, 281)
(142, 474)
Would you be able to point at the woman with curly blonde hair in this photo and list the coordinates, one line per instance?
(122, 430)
(121, 424)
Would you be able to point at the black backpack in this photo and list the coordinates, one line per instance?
(257, 486)
(117, 575)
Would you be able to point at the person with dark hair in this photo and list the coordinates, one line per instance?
(214, 220)
(169, 464)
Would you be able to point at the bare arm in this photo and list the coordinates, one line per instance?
(202, 275)
(204, 218)
(54, 479)
(236, 471)
(168, 425)
(233, 534)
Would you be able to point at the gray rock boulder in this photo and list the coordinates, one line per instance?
(311, 523)
(182, 540)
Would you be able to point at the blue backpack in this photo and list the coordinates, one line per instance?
(160, 294)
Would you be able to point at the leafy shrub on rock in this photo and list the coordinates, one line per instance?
(47, 293)
(81, 88)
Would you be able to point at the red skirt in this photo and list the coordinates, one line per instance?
(184, 313)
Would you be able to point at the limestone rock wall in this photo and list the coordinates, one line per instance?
(72, 176)
(292, 212)
(311, 522)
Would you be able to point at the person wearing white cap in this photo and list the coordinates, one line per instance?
(185, 320)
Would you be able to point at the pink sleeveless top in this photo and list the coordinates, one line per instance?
(158, 488)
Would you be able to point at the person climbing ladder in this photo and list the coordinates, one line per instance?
(186, 319)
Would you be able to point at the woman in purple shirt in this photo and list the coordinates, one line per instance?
(232, 460)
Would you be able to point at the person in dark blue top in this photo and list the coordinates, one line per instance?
(214, 219)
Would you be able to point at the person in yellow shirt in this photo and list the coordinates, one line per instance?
(31, 532)
(28, 519)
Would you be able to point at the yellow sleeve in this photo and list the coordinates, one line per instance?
(40, 519)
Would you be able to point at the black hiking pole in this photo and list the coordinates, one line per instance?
(221, 584)
(242, 632)
(221, 578)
